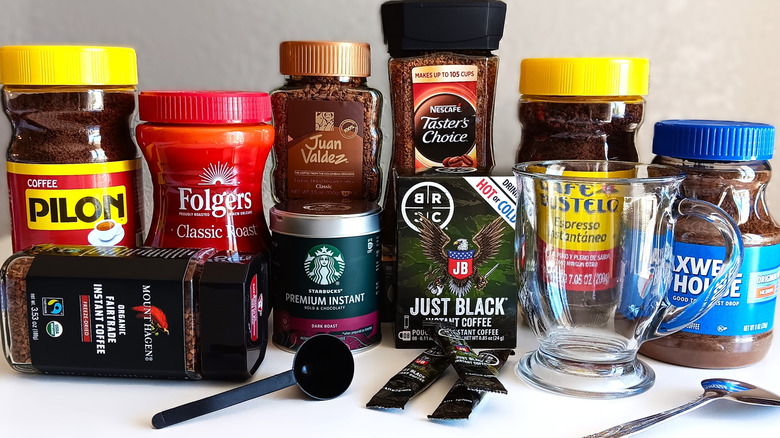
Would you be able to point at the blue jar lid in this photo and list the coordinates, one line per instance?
(714, 140)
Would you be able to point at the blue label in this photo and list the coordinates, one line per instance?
(747, 308)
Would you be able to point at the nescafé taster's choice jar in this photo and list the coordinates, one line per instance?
(726, 164)
(325, 272)
(206, 152)
(134, 312)
(581, 108)
(74, 172)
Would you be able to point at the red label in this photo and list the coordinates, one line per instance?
(75, 204)
(579, 270)
(86, 329)
(255, 309)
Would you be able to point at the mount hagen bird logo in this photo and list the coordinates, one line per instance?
(458, 270)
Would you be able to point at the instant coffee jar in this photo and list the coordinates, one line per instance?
(74, 172)
(325, 272)
(206, 152)
(327, 123)
(581, 108)
(726, 163)
(135, 312)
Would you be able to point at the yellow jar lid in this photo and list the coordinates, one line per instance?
(67, 65)
(324, 58)
(584, 76)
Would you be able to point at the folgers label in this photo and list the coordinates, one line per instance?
(325, 260)
(445, 101)
(579, 226)
(75, 204)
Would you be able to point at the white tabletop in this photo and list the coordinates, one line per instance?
(40, 405)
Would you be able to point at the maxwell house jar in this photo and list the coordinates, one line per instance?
(206, 152)
(74, 173)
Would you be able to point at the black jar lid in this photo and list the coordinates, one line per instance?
(233, 332)
(443, 25)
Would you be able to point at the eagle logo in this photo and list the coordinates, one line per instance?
(458, 269)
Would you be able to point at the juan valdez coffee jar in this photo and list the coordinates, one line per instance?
(135, 312)
(726, 164)
(581, 108)
(206, 152)
(325, 272)
(74, 172)
(326, 117)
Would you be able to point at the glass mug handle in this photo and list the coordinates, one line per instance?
(676, 318)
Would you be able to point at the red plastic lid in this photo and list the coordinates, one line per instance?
(204, 107)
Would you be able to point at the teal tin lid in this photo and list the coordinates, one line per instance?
(714, 140)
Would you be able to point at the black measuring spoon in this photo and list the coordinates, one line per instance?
(323, 368)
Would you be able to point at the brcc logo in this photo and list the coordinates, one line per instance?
(324, 264)
(428, 199)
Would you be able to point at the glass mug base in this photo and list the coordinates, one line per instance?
(587, 380)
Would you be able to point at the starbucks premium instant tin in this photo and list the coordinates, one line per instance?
(325, 259)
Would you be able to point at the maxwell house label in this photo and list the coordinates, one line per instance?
(78, 204)
(456, 228)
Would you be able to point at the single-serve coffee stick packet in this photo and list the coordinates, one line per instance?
(476, 374)
(461, 401)
(411, 380)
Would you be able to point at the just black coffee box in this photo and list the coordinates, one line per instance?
(455, 259)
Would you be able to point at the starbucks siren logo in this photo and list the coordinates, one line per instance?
(324, 264)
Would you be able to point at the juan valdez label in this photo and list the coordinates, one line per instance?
(75, 204)
(445, 100)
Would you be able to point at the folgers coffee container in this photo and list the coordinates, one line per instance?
(443, 76)
(206, 152)
(74, 173)
(726, 163)
(135, 312)
(325, 272)
(456, 234)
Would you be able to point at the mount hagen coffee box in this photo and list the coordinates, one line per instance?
(455, 263)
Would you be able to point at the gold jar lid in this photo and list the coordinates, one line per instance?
(324, 58)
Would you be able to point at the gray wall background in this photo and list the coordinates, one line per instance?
(708, 59)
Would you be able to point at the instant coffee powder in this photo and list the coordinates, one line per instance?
(325, 272)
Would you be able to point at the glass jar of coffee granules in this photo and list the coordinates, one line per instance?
(206, 152)
(442, 85)
(726, 164)
(135, 312)
(74, 173)
(327, 123)
(581, 108)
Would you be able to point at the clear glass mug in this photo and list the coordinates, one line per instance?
(593, 255)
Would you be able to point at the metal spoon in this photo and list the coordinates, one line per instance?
(713, 389)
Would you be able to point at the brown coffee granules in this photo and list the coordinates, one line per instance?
(591, 129)
(76, 126)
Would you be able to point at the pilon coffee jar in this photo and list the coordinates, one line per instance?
(325, 272)
(726, 164)
(581, 108)
(206, 152)
(74, 172)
